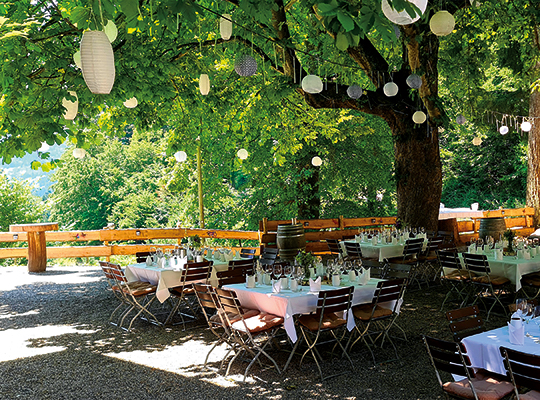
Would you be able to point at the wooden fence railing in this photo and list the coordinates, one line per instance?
(520, 220)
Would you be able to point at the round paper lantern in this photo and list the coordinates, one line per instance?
(312, 84)
(242, 154)
(131, 103)
(225, 27)
(354, 91)
(461, 119)
(71, 106)
(316, 161)
(111, 31)
(526, 126)
(79, 153)
(180, 156)
(390, 89)
(477, 141)
(245, 65)
(97, 59)
(77, 59)
(442, 23)
(414, 81)
(503, 130)
(204, 84)
(402, 17)
(44, 147)
(419, 117)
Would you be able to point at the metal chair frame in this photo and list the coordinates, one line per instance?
(523, 369)
(458, 285)
(465, 322)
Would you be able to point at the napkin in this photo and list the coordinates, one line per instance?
(148, 261)
(276, 286)
(250, 281)
(364, 277)
(312, 273)
(526, 254)
(267, 279)
(532, 250)
(357, 238)
(315, 285)
(472, 249)
(374, 240)
(516, 329)
(406, 235)
(294, 285)
(499, 254)
(394, 240)
(352, 275)
(320, 269)
(520, 254)
(336, 280)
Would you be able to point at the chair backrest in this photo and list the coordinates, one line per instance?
(117, 273)
(449, 259)
(141, 256)
(394, 270)
(198, 271)
(107, 270)
(434, 244)
(389, 290)
(465, 322)
(336, 300)
(206, 295)
(247, 265)
(449, 357)
(413, 247)
(231, 276)
(333, 246)
(477, 263)
(247, 253)
(353, 250)
(448, 239)
(376, 268)
(228, 302)
(522, 368)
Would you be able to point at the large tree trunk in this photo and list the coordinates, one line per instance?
(533, 173)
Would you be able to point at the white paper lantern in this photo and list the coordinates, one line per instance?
(77, 59)
(414, 81)
(477, 141)
(245, 65)
(242, 154)
(442, 23)
(390, 89)
(131, 103)
(71, 106)
(111, 31)
(44, 147)
(503, 130)
(419, 117)
(79, 153)
(354, 91)
(402, 17)
(312, 84)
(225, 27)
(316, 161)
(97, 60)
(180, 156)
(204, 84)
(526, 126)
(461, 119)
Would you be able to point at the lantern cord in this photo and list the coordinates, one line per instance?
(101, 14)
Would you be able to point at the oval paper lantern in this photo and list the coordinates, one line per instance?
(77, 59)
(477, 141)
(204, 84)
(419, 117)
(97, 60)
(242, 154)
(442, 23)
(312, 84)
(180, 156)
(71, 106)
(390, 89)
(111, 31)
(526, 126)
(414, 81)
(354, 91)
(245, 65)
(503, 130)
(402, 17)
(461, 119)
(316, 161)
(131, 103)
(79, 153)
(225, 27)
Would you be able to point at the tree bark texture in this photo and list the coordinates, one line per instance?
(37, 252)
(533, 172)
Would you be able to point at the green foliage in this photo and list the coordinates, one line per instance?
(17, 204)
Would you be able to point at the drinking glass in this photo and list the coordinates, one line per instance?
(277, 270)
(520, 303)
(287, 270)
(536, 315)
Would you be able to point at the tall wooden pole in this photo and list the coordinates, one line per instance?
(199, 180)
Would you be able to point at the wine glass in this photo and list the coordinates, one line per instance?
(520, 303)
(536, 315)
(277, 269)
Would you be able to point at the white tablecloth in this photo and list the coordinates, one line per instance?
(483, 348)
(165, 278)
(287, 303)
(381, 251)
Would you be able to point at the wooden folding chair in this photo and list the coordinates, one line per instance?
(411, 254)
(454, 277)
(450, 357)
(334, 247)
(246, 265)
(465, 322)
(331, 316)
(252, 334)
(523, 369)
(429, 266)
(530, 285)
(353, 250)
(268, 256)
(231, 276)
(247, 253)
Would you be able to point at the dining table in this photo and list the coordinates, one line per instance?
(378, 251)
(484, 352)
(287, 303)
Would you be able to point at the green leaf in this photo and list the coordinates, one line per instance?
(346, 21)
(35, 165)
(341, 41)
(327, 9)
(130, 8)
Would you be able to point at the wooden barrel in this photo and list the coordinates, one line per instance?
(494, 227)
(290, 240)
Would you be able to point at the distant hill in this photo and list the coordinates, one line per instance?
(20, 169)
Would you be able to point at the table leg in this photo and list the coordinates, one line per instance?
(37, 252)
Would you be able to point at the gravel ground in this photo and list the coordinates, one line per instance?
(56, 343)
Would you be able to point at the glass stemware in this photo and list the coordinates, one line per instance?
(277, 270)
